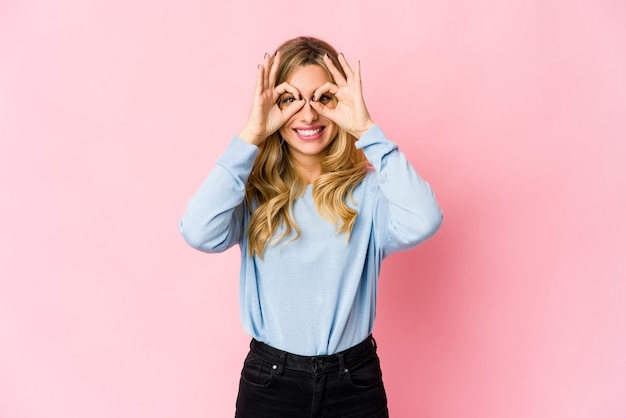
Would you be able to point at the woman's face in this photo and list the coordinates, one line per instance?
(307, 133)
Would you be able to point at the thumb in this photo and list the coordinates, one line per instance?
(293, 108)
(323, 110)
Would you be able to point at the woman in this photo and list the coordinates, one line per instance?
(316, 196)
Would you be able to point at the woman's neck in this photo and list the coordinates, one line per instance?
(309, 167)
(310, 173)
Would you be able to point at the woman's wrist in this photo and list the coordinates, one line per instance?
(249, 137)
(366, 127)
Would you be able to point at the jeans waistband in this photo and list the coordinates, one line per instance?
(316, 364)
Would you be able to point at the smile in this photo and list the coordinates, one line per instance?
(309, 132)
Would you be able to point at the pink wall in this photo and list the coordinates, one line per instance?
(112, 113)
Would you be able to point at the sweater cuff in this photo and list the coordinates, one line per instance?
(239, 158)
(375, 145)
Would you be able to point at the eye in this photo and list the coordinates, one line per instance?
(285, 101)
(325, 99)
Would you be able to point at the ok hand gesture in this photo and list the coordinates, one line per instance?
(350, 112)
(265, 117)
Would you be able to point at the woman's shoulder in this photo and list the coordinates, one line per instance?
(370, 181)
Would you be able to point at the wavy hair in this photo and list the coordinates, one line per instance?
(275, 184)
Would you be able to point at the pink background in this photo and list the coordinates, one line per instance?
(113, 112)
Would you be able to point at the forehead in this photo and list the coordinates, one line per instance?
(308, 77)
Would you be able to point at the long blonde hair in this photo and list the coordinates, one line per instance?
(275, 183)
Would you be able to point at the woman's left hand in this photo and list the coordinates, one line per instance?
(349, 111)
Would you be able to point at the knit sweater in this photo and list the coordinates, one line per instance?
(315, 295)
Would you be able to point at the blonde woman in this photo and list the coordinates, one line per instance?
(316, 197)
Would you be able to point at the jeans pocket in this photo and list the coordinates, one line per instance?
(256, 371)
(365, 375)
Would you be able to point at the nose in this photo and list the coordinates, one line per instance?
(307, 113)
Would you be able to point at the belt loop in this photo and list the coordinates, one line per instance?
(280, 367)
(342, 365)
(374, 342)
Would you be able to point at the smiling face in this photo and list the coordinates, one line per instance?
(307, 133)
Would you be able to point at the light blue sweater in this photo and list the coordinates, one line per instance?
(315, 295)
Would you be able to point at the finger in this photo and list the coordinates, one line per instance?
(274, 69)
(259, 81)
(292, 109)
(327, 87)
(323, 110)
(339, 78)
(285, 87)
(346, 67)
(357, 72)
(266, 69)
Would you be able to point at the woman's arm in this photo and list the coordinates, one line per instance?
(407, 212)
(213, 220)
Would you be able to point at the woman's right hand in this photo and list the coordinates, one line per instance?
(266, 117)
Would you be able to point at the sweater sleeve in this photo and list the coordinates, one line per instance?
(213, 220)
(407, 212)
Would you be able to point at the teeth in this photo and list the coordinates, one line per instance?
(309, 132)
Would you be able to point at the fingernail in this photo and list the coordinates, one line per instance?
(313, 98)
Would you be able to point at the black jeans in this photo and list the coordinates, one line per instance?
(277, 384)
